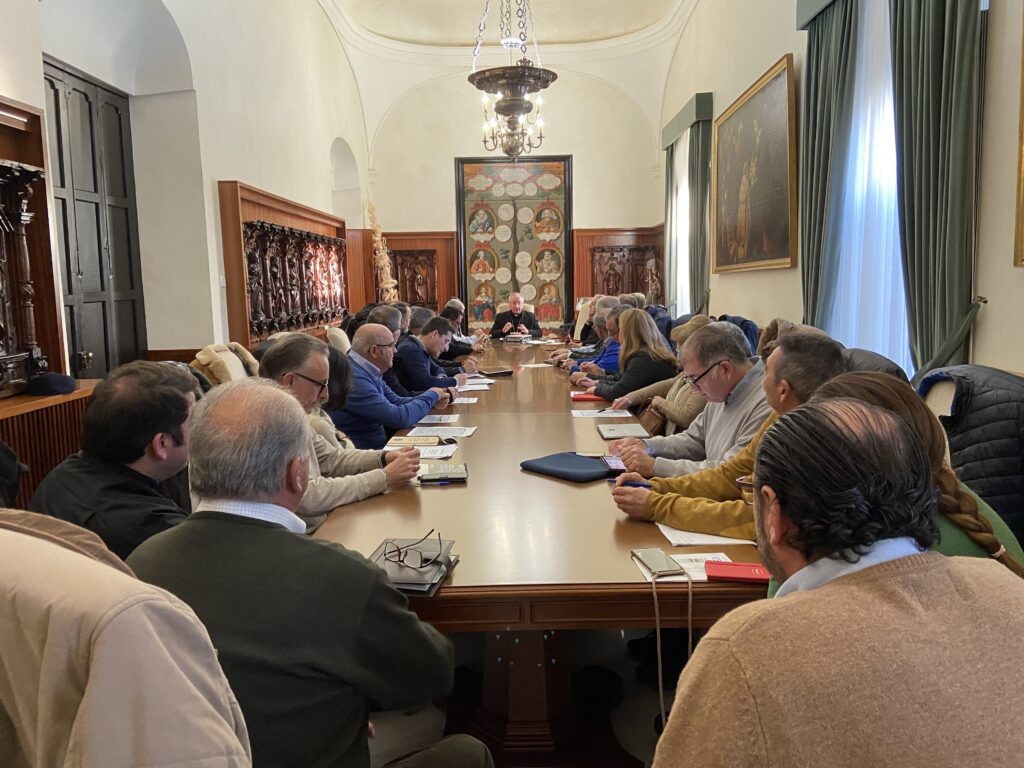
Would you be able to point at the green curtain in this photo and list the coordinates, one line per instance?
(825, 137)
(699, 184)
(937, 65)
(671, 225)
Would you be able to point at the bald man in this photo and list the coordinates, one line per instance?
(373, 412)
(515, 320)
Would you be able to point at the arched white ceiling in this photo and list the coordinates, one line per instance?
(133, 45)
(454, 22)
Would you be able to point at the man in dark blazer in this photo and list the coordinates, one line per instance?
(515, 320)
(415, 364)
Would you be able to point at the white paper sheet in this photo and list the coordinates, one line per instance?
(601, 413)
(536, 365)
(480, 380)
(474, 388)
(439, 419)
(694, 565)
(441, 431)
(438, 451)
(693, 539)
(464, 400)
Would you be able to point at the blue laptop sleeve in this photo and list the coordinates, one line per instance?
(569, 466)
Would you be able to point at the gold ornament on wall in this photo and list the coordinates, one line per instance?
(387, 285)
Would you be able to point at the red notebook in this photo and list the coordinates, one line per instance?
(729, 571)
(586, 397)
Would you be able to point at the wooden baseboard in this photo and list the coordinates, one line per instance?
(178, 355)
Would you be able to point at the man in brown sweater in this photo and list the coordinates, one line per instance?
(873, 654)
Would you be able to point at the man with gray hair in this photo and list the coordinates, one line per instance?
(308, 632)
(598, 313)
(373, 410)
(337, 476)
(717, 364)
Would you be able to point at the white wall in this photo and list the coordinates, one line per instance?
(725, 47)
(21, 66)
(999, 333)
(617, 173)
(274, 89)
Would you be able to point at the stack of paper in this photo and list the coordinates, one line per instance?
(693, 539)
(474, 387)
(436, 419)
(441, 431)
(464, 401)
(602, 413)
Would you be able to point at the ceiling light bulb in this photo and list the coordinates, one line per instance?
(540, 122)
(484, 99)
(540, 99)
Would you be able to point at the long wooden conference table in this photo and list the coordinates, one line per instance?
(538, 555)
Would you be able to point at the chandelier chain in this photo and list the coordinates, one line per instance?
(506, 19)
(533, 31)
(480, 33)
(521, 15)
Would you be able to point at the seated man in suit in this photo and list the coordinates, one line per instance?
(308, 632)
(606, 360)
(134, 437)
(709, 501)
(868, 632)
(373, 411)
(717, 364)
(337, 475)
(515, 320)
(590, 349)
(391, 318)
(415, 364)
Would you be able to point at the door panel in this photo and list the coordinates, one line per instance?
(90, 247)
(55, 110)
(81, 123)
(95, 330)
(124, 320)
(121, 255)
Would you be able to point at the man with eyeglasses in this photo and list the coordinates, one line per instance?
(373, 411)
(716, 362)
(310, 635)
(337, 476)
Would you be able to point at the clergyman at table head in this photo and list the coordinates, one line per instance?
(866, 622)
(308, 633)
(134, 437)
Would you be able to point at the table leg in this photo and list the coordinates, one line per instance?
(526, 709)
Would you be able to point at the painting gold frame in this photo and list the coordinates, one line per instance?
(764, 216)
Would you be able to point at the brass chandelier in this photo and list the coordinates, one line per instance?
(512, 120)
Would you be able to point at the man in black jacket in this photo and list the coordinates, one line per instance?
(134, 437)
(515, 320)
(308, 633)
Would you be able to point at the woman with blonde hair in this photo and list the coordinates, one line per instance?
(644, 358)
(674, 398)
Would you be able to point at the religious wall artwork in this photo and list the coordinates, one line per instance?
(515, 227)
(753, 176)
(294, 279)
(619, 269)
(417, 277)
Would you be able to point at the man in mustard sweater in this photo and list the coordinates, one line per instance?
(870, 655)
(709, 501)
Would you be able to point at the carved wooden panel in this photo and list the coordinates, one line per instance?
(20, 355)
(294, 279)
(628, 269)
(416, 272)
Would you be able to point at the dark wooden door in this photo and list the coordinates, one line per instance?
(97, 224)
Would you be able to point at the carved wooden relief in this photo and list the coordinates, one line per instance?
(629, 269)
(294, 279)
(20, 355)
(417, 277)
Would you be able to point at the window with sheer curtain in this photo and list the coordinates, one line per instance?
(679, 274)
(869, 308)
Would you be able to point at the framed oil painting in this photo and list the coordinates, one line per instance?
(514, 233)
(753, 176)
(1018, 246)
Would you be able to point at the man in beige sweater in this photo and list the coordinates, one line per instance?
(873, 653)
(337, 476)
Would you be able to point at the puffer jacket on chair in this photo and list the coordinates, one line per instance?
(986, 435)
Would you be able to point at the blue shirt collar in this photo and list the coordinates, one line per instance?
(366, 365)
(822, 571)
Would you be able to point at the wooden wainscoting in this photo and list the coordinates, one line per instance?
(43, 431)
(585, 240)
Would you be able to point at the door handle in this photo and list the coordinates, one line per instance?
(84, 361)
